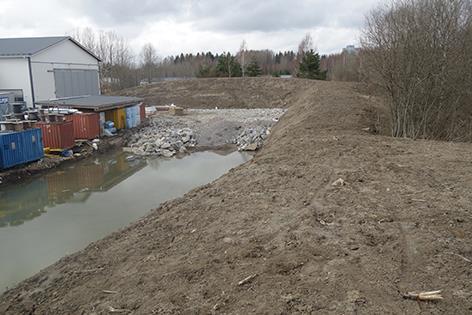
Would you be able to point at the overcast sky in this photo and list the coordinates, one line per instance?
(194, 25)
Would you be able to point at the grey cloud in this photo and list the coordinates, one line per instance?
(224, 16)
(262, 16)
(247, 15)
(111, 13)
(188, 25)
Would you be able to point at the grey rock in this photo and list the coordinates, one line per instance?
(166, 145)
(167, 153)
(177, 145)
(159, 143)
(251, 147)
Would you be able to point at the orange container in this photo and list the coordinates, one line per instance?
(118, 116)
(57, 135)
(142, 112)
(86, 125)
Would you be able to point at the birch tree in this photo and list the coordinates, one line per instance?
(242, 54)
(149, 61)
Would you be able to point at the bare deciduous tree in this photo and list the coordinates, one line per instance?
(149, 61)
(418, 52)
(242, 55)
(117, 67)
(305, 45)
(86, 37)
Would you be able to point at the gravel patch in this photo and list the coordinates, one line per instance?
(168, 135)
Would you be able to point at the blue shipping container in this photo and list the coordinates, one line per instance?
(20, 147)
(137, 115)
(10, 153)
(133, 118)
(129, 117)
(33, 144)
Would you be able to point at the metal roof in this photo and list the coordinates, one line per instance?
(29, 46)
(96, 103)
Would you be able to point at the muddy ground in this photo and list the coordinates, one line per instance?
(402, 222)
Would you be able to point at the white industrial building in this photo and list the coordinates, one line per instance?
(45, 68)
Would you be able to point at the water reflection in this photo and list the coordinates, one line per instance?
(63, 211)
(26, 203)
(71, 184)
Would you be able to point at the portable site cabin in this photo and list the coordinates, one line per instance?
(43, 68)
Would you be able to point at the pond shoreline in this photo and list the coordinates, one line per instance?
(87, 200)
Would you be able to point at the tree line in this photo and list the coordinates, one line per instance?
(249, 63)
(121, 68)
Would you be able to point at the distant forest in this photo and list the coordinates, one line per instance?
(343, 66)
(200, 65)
(121, 68)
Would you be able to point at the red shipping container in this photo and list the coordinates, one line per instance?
(142, 112)
(57, 135)
(86, 125)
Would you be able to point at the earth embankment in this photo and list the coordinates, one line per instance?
(275, 236)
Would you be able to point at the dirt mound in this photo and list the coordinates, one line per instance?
(274, 236)
(221, 93)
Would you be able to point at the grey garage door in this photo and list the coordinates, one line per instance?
(75, 82)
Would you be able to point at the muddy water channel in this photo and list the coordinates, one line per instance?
(64, 210)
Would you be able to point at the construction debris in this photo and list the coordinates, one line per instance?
(168, 135)
(252, 139)
(175, 110)
(162, 141)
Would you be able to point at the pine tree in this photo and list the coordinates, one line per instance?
(228, 66)
(310, 67)
(253, 69)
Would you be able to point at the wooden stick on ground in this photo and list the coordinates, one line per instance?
(111, 309)
(247, 279)
(424, 296)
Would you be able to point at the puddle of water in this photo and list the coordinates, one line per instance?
(63, 211)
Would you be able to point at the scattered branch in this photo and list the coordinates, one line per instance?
(109, 292)
(111, 309)
(247, 279)
(424, 296)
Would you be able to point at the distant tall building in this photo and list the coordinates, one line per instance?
(350, 49)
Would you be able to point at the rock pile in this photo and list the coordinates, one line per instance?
(162, 142)
(168, 135)
(252, 139)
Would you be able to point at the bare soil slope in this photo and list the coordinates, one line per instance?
(222, 93)
(401, 223)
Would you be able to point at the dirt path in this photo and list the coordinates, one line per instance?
(402, 222)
